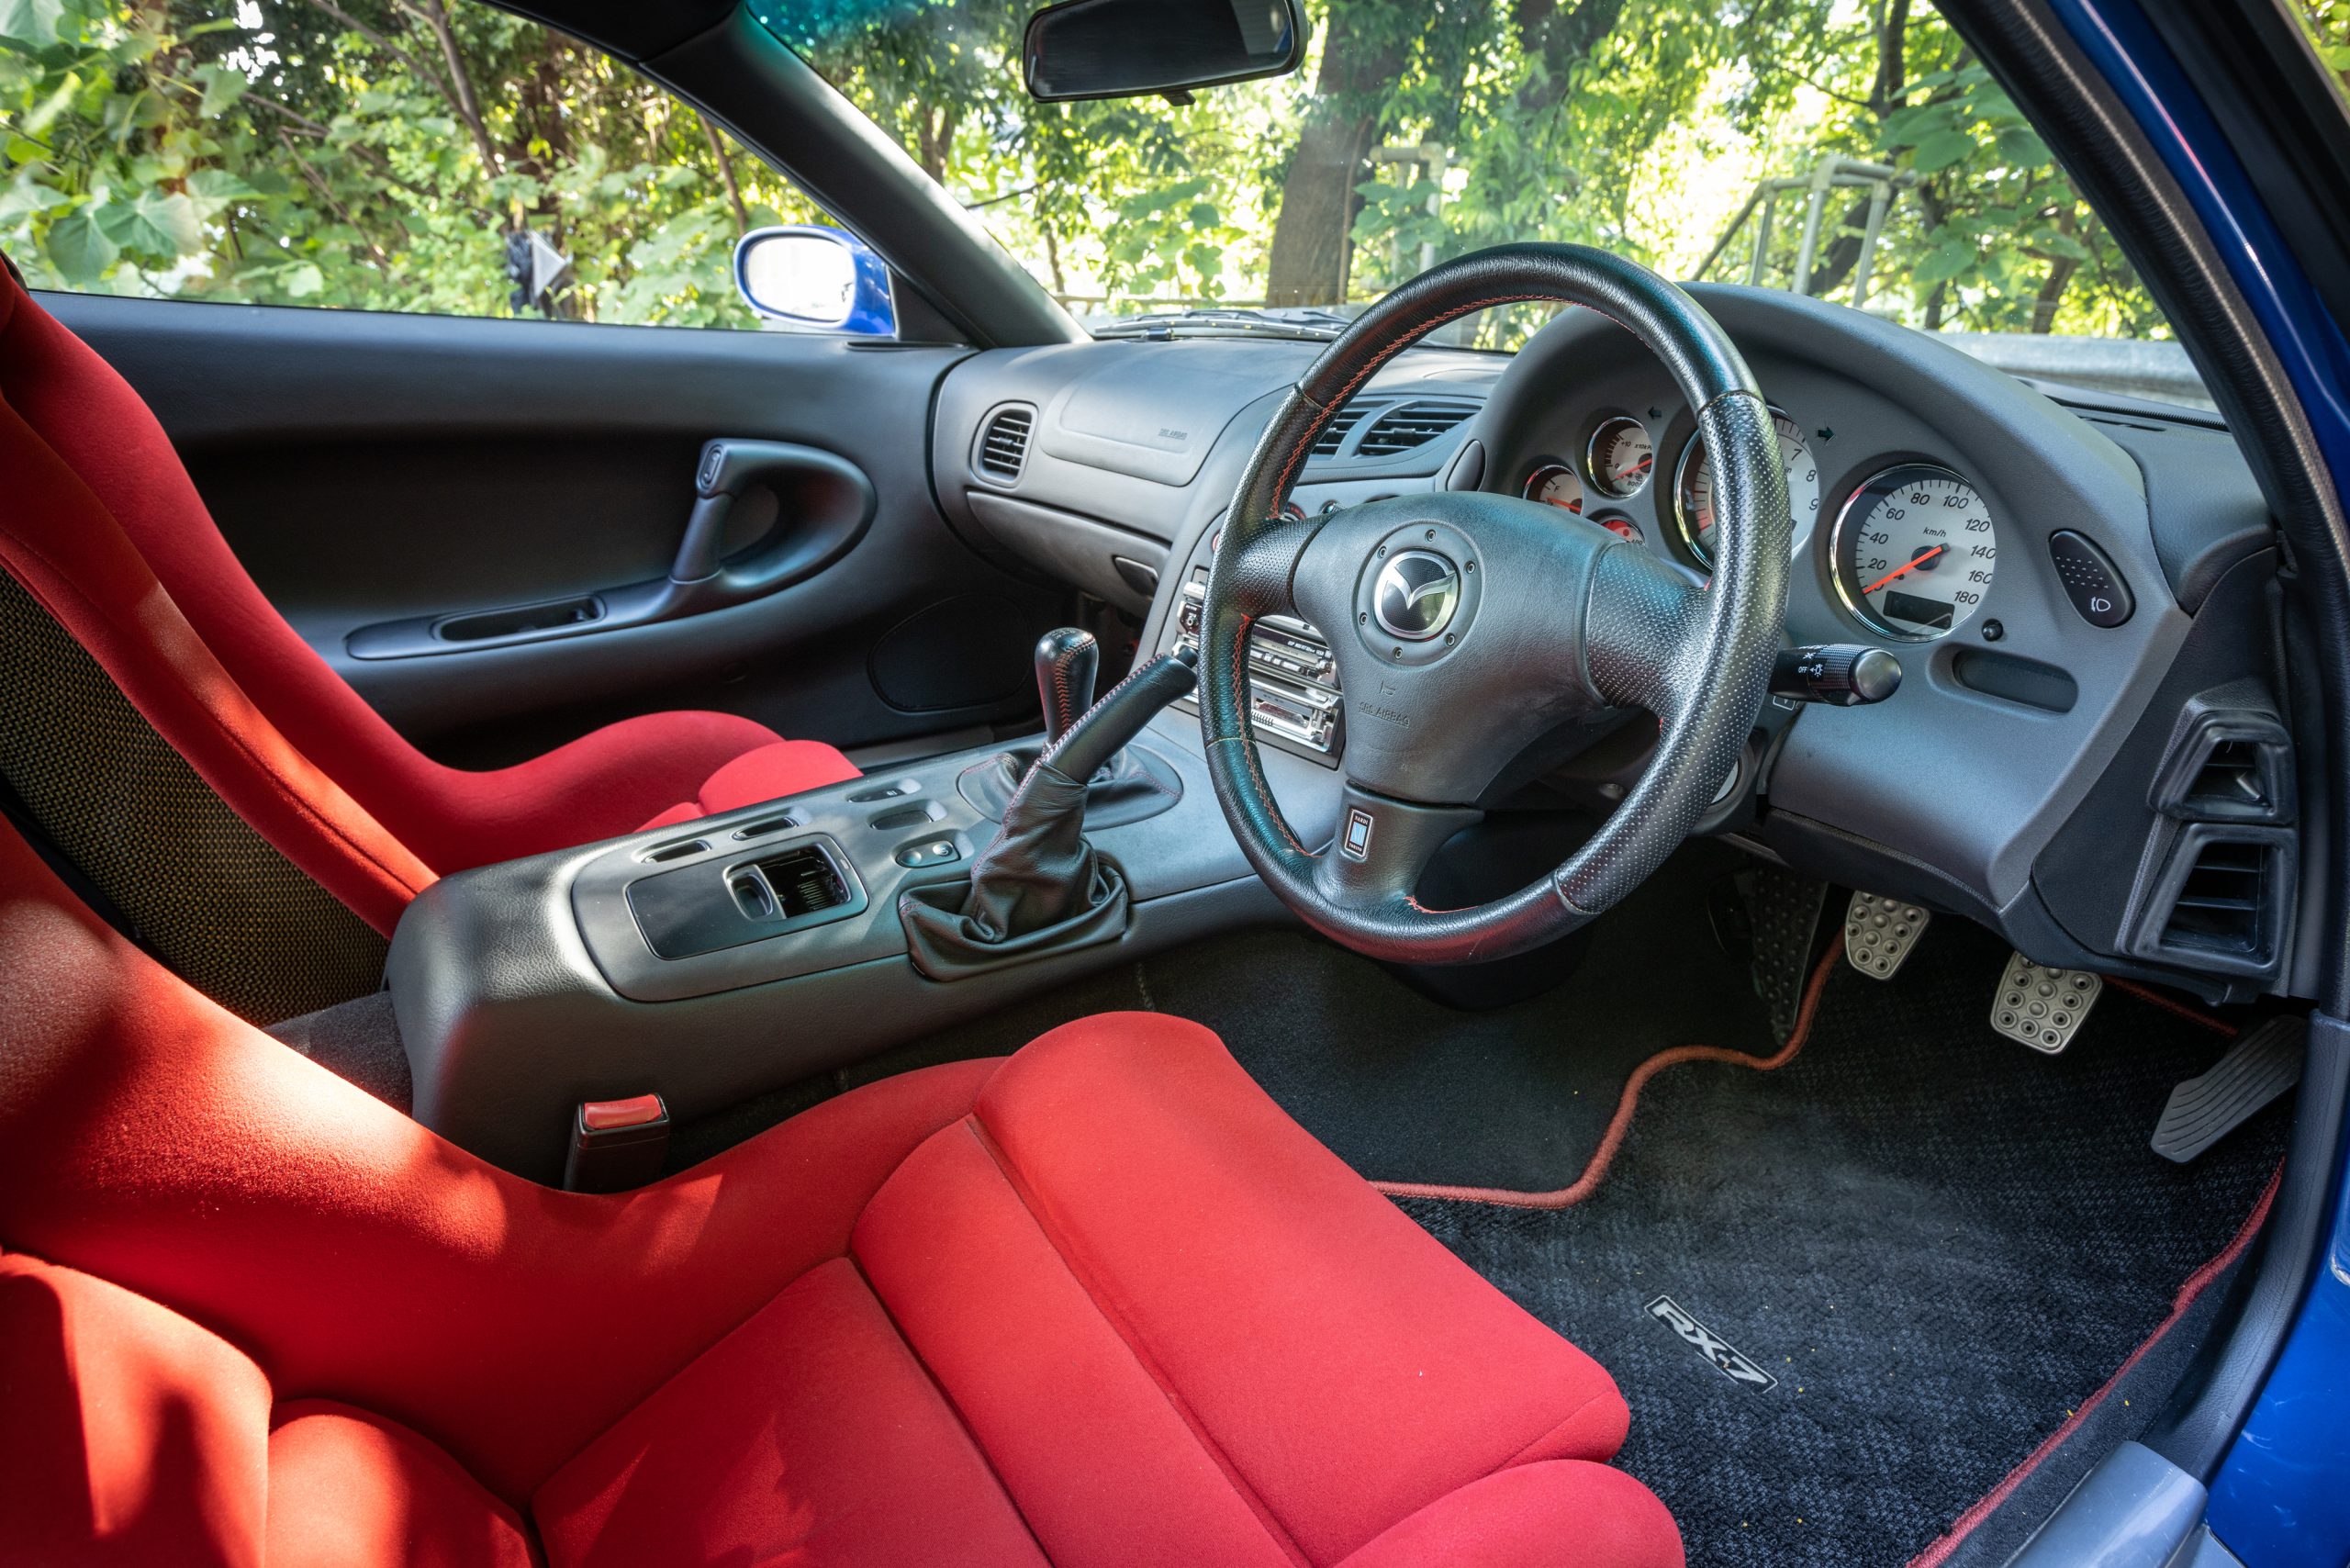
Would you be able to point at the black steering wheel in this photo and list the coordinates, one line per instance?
(1466, 626)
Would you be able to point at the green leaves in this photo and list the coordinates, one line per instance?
(158, 225)
(1940, 150)
(220, 86)
(31, 23)
(79, 249)
(143, 148)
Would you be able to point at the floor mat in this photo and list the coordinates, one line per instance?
(1936, 1245)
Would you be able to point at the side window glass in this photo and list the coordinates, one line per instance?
(416, 155)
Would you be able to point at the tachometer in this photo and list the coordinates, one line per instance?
(1620, 456)
(1915, 552)
(1692, 487)
(1555, 484)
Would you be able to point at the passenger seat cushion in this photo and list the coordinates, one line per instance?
(765, 773)
(128, 1434)
(352, 1490)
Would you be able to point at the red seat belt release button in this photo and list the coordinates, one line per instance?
(617, 1144)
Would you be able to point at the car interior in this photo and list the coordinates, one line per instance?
(965, 935)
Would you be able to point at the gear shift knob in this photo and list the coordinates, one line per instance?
(1067, 661)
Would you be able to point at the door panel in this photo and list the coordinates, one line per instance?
(376, 468)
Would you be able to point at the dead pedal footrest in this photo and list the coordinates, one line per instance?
(2263, 1062)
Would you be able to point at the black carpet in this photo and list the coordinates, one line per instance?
(1939, 1243)
(1404, 1088)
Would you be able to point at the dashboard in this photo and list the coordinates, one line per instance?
(2092, 746)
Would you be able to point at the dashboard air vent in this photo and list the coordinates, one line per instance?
(2232, 777)
(1414, 424)
(1003, 445)
(1334, 434)
(2218, 903)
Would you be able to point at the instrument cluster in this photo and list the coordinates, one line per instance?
(1912, 549)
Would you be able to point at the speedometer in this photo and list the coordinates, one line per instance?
(1915, 552)
(1693, 487)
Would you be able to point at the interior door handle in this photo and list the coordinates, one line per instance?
(729, 467)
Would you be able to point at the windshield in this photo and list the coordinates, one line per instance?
(1859, 152)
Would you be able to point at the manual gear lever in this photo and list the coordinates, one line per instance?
(1039, 887)
(1066, 662)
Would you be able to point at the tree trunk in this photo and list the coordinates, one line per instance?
(462, 97)
(935, 138)
(1312, 243)
(726, 177)
(2052, 293)
(1561, 38)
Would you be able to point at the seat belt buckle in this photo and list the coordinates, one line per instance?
(616, 1144)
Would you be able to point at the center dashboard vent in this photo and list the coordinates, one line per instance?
(1334, 434)
(1003, 442)
(1416, 423)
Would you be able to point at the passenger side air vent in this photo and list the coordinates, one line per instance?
(2230, 760)
(1334, 434)
(2218, 884)
(1416, 423)
(2223, 902)
(2229, 777)
(1003, 443)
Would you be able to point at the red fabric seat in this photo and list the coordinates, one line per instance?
(100, 522)
(1099, 1303)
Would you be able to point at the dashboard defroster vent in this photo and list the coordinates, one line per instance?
(1416, 423)
(1003, 442)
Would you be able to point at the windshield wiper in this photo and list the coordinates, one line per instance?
(1304, 323)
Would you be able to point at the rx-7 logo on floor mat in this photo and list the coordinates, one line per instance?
(1714, 1349)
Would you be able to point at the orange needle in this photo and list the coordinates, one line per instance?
(1899, 570)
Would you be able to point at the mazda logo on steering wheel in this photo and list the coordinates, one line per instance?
(1417, 592)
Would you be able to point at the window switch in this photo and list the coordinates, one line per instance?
(929, 852)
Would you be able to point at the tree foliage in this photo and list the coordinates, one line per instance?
(374, 153)
(367, 153)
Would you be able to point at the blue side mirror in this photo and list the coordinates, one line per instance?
(810, 277)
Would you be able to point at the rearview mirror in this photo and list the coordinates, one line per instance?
(1128, 48)
(807, 277)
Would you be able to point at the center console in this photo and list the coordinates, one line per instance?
(713, 961)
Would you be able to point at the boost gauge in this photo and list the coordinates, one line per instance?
(1693, 487)
(1554, 484)
(1915, 552)
(1619, 457)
